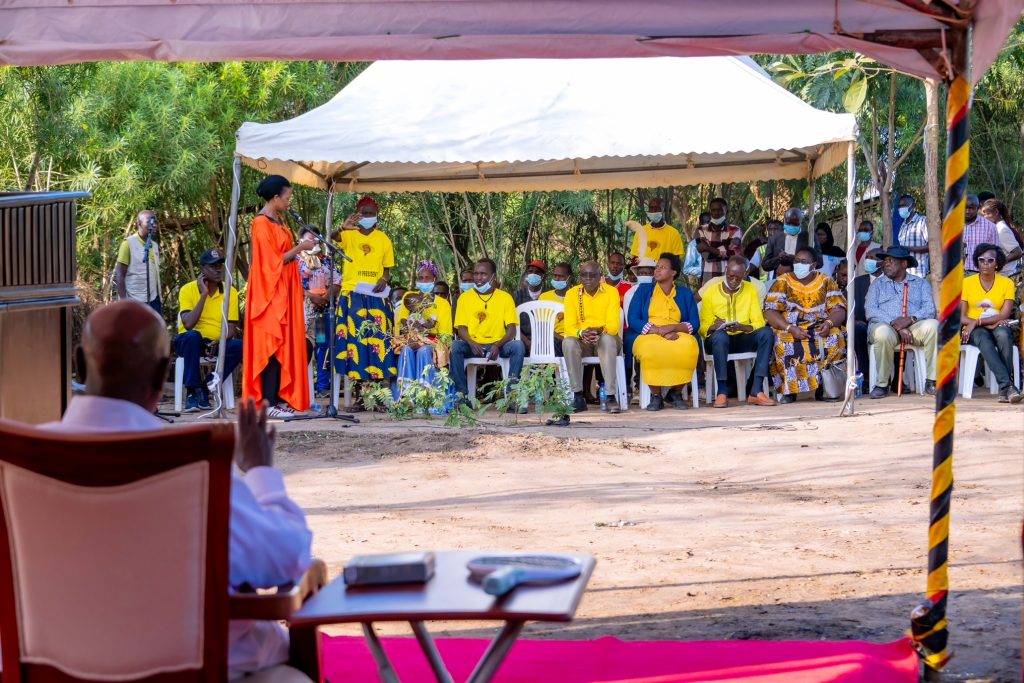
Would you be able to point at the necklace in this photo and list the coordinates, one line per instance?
(488, 299)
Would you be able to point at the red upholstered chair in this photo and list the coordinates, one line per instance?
(114, 554)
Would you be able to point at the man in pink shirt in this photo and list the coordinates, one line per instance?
(124, 356)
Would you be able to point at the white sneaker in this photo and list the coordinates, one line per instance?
(282, 411)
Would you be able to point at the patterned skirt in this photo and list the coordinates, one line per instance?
(796, 365)
(364, 351)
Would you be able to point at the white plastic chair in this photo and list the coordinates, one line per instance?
(969, 357)
(542, 316)
(915, 369)
(227, 385)
(741, 361)
(620, 368)
(645, 390)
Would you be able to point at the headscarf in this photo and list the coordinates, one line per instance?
(367, 201)
(429, 266)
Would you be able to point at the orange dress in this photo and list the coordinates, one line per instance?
(274, 324)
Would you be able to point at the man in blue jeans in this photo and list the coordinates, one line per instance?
(485, 327)
(201, 306)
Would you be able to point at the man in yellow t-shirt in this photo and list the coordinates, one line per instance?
(485, 327)
(593, 320)
(656, 237)
(732, 321)
(201, 310)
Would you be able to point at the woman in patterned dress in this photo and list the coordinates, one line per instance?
(806, 309)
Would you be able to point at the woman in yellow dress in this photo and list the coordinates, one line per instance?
(806, 309)
(663, 320)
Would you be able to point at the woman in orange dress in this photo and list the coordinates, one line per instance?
(275, 358)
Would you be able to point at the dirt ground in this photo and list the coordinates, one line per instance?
(748, 523)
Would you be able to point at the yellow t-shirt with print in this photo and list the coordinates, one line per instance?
(978, 300)
(208, 324)
(440, 310)
(659, 241)
(486, 317)
(370, 255)
(552, 295)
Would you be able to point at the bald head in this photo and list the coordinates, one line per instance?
(590, 275)
(124, 353)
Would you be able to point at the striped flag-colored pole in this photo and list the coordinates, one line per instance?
(928, 623)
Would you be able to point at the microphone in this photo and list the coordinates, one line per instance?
(313, 229)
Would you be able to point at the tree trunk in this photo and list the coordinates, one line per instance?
(933, 207)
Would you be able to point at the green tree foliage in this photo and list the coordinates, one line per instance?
(161, 136)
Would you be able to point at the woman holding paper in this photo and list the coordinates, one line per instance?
(364, 351)
(274, 351)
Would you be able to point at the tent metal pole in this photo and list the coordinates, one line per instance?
(849, 406)
(327, 235)
(929, 626)
(229, 265)
(811, 209)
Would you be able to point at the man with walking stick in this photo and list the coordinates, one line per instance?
(901, 312)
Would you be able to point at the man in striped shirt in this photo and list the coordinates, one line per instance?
(977, 230)
(914, 235)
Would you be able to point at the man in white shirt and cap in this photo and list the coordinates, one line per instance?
(124, 356)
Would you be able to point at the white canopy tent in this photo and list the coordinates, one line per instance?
(545, 125)
(521, 125)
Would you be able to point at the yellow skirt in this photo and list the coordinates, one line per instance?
(664, 362)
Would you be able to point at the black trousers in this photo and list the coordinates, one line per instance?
(270, 380)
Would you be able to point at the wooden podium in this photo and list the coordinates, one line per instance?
(38, 268)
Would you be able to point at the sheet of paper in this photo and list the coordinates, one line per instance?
(367, 289)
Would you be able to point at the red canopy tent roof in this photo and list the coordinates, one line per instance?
(906, 34)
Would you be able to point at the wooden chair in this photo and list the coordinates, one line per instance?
(114, 555)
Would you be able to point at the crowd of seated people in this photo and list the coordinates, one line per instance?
(782, 299)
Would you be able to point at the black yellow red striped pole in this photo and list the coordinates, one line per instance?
(929, 627)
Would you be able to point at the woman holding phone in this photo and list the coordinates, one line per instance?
(806, 309)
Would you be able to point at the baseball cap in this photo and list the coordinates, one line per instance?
(211, 257)
(537, 264)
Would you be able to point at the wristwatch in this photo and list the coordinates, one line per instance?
(913, 319)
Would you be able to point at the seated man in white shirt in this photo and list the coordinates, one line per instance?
(124, 355)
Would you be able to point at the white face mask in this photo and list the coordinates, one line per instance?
(802, 270)
(718, 221)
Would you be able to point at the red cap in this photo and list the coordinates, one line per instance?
(537, 264)
(364, 201)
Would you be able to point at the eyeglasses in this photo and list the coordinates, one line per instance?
(985, 259)
(589, 274)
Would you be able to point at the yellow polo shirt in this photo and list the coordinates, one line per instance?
(659, 241)
(744, 307)
(208, 324)
(370, 255)
(440, 310)
(975, 295)
(486, 317)
(551, 295)
(598, 310)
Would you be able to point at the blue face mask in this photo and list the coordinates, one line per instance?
(465, 286)
(791, 229)
(655, 216)
(425, 287)
(484, 288)
(904, 212)
(802, 270)
(644, 279)
(864, 236)
(367, 222)
(615, 278)
(870, 266)
(533, 279)
(559, 284)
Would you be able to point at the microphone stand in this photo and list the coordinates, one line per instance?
(331, 412)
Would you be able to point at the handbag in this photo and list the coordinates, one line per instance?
(693, 264)
(833, 381)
